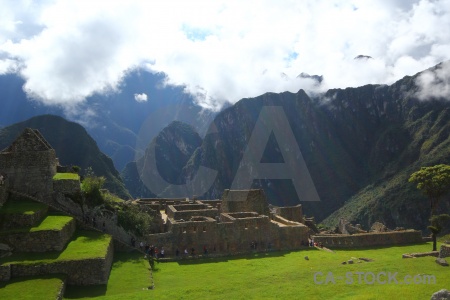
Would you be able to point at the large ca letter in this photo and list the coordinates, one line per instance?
(273, 119)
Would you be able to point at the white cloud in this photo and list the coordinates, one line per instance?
(140, 97)
(434, 84)
(221, 51)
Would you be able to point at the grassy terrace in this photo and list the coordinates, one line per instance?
(64, 176)
(129, 279)
(85, 245)
(274, 275)
(49, 223)
(288, 275)
(42, 287)
(27, 207)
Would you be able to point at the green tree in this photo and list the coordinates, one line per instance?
(434, 182)
(437, 223)
(133, 218)
(91, 186)
(76, 169)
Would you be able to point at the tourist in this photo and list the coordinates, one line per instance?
(205, 250)
(162, 252)
(192, 251)
(133, 242)
(186, 253)
(177, 253)
(141, 245)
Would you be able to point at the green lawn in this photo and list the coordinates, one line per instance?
(86, 244)
(275, 275)
(49, 223)
(42, 287)
(129, 279)
(62, 176)
(287, 275)
(21, 207)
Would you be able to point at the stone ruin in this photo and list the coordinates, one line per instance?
(29, 164)
(27, 168)
(347, 235)
(240, 221)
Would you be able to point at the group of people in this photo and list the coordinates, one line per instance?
(311, 243)
(192, 252)
(149, 250)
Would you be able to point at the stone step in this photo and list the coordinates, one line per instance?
(52, 234)
(86, 260)
(39, 287)
(17, 213)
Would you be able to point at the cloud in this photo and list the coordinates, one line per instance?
(140, 97)
(220, 51)
(434, 84)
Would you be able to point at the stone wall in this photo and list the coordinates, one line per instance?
(40, 241)
(444, 251)
(5, 272)
(292, 213)
(369, 239)
(288, 237)
(3, 194)
(185, 214)
(79, 272)
(245, 201)
(284, 221)
(234, 234)
(66, 186)
(13, 221)
(30, 172)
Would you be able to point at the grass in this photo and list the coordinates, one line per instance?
(129, 279)
(42, 287)
(274, 275)
(65, 176)
(49, 223)
(85, 245)
(26, 207)
(444, 238)
(287, 275)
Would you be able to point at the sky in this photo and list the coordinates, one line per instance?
(220, 51)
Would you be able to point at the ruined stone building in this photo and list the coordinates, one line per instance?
(240, 222)
(29, 164)
(229, 225)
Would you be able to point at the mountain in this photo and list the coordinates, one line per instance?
(121, 125)
(359, 146)
(169, 152)
(73, 146)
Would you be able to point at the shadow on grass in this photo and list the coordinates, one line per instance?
(249, 256)
(29, 257)
(379, 247)
(75, 292)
